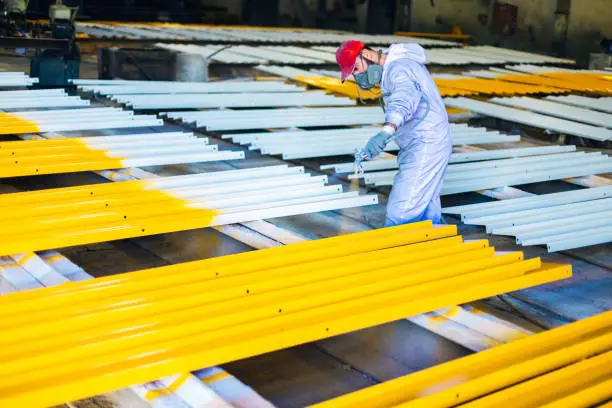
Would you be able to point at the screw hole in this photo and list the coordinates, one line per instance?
(327, 329)
(125, 217)
(248, 291)
(216, 273)
(280, 310)
(143, 230)
(107, 204)
(16, 162)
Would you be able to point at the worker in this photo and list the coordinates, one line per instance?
(415, 118)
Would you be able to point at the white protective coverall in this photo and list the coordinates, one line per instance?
(413, 104)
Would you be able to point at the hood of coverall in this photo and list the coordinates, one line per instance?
(411, 51)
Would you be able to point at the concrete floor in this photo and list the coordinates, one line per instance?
(318, 371)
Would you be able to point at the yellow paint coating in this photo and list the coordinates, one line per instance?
(36, 157)
(13, 124)
(149, 324)
(215, 377)
(86, 214)
(347, 88)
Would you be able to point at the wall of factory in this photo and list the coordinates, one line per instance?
(589, 20)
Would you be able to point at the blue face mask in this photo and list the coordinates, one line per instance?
(371, 77)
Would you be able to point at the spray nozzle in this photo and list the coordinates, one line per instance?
(360, 156)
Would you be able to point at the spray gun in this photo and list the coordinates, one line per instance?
(360, 156)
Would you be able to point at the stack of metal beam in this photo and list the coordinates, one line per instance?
(570, 366)
(237, 35)
(562, 126)
(560, 221)
(42, 98)
(472, 55)
(160, 95)
(125, 87)
(321, 143)
(48, 156)
(58, 120)
(279, 118)
(465, 177)
(140, 326)
(16, 80)
(552, 108)
(56, 218)
(230, 100)
(463, 157)
(596, 104)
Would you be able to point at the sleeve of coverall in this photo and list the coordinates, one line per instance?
(404, 97)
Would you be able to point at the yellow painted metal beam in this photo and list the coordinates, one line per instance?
(350, 89)
(147, 324)
(495, 87)
(568, 365)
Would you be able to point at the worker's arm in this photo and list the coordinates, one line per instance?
(401, 104)
(404, 95)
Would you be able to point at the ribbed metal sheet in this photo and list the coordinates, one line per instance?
(600, 104)
(16, 80)
(240, 34)
(569, 366)
(231, 100)
(531, 119)
(558, 109)
(304, 144)
(103, 212)
(143, 325)
(557, 220)
(280, 118)
(162, 87)
(31, 99)
(38, 157)
(484, 55)
(461, 178)
(57, 120)
(387, 164)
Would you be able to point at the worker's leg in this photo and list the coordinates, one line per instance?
(416, 189)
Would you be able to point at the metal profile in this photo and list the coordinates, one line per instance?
(252, 297)
(57, 269)
(459, 181)
(387, 164)
(536, 201)
(16, 80)
(280, 118)
(229, 34)
(531, 119)
(559, 223)
(72, 119)
(161, 87)
(231, 100)
(558, 109)
(601, 104)
(563, 367)
(38, 157)
(484, 55)
(97, 213)
(302, 145)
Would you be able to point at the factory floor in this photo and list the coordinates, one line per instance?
(321, 370)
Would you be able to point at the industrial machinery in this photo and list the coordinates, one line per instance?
(54, 67)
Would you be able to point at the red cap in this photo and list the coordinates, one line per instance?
(346, 56)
